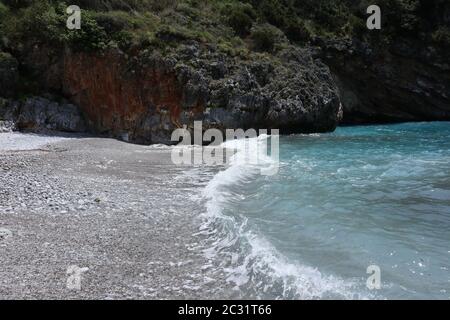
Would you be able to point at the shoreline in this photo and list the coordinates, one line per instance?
(121, 210)
(142, 226)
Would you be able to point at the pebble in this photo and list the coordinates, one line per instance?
(5, 234)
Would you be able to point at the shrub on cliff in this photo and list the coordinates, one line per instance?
(274, 12)
(171, 34)
(240, 17)
(113, 22)
(126, 5)
(3, 10)
(442, 37)
(296, 30)
(18, 3)
(357, 26)
(38, 22)
(3, 14)
(8, 74)
(91, 36)
(264, 38)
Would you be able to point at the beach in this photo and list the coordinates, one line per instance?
(122, 211)
(95, 218)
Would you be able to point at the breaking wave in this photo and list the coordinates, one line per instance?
(252, 265)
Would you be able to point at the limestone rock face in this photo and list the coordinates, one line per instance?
(7, 126)
(147, 96)
(38, 114)
(408, 81)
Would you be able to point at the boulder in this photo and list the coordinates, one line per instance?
(38, 114)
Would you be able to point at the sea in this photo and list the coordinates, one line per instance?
(360, 213)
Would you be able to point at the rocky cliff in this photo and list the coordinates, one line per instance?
(405, 82)
(140, 72)
(398, 73)
(40, 114)
(145, 97)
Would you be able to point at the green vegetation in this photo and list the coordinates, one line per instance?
(238, 28)
(240, 16)
(3, 10)
(264, 38)
(140, 23)
(8, 71)
(442, 37)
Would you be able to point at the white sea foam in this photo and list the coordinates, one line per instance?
(252, 264)
(160, 146)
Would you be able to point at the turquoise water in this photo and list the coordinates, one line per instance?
(361, 196)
